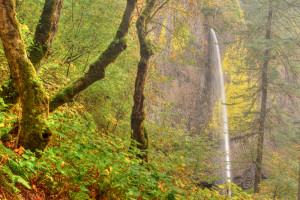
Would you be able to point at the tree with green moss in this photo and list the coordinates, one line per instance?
(34, 101)
(40, 47)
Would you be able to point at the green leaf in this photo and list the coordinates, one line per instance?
(19, 179)
(83, 188)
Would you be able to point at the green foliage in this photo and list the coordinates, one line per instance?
(116, 171)
(236, 193)
(113, 97)
(6, 120)
(2, 103)
(83, 161)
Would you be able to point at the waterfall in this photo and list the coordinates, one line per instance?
(218, 63)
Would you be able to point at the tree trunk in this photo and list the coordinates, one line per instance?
(263, 109)
(138, 116)
(44, 37)
(35, 133)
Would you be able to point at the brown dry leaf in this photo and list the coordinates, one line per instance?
(20, 150)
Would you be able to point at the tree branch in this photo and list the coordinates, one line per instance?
(97, 69)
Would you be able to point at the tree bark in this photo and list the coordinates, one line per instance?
(138, 116)
(97, 69)
(263, 109)
(35, 133)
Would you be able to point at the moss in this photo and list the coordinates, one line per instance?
(122, 40)
(62, 97)
(6, 137)
(35, 54)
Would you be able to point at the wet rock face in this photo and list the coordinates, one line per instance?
(194, 88)
(246, 179)
(191, 83)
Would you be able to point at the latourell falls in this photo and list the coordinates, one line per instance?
(149, 100)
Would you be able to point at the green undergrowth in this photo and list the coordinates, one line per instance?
(82, 163)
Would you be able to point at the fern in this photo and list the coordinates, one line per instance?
(8, 180)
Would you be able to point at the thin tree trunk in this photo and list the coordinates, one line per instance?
(263, 109)
(35, 133)
(138, 116)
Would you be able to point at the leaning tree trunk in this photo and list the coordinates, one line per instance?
(138, 116)
(35, 133)
(263, 109)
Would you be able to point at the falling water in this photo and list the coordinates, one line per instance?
(216, 55)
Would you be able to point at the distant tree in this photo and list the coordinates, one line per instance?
(275, 54)
(263, 107)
